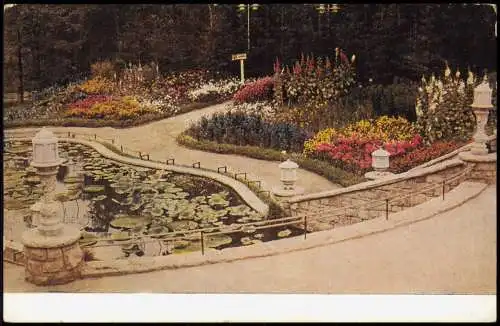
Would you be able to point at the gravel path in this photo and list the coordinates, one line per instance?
(452, 253)
(158, 139)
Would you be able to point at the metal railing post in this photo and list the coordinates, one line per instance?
(387, 209)
(305, 227)
(202, 243)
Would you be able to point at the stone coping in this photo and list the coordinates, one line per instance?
(242, 190)
(69, 235)
(469, 157)
(379, 182)
(456, 197)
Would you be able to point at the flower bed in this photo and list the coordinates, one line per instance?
(353, 154)
(350, 148)
(132, 92)
(241, 129)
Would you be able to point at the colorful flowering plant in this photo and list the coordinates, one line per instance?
(97, 85)
(421, 155)
(383, 128)
(221, 88)
(123, 108)
(89, 101)
(354, 154)
(314, 81)
(259, 90)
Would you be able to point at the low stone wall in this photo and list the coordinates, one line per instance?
(319, 207)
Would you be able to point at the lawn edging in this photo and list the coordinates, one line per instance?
(321, 168)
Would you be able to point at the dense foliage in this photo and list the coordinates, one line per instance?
(241, 129)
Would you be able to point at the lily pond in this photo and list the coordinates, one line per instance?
(119, 202)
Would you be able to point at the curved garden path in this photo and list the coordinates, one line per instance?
(158, 139)
(451, 253)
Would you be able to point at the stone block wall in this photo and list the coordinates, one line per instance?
(484, 172)
(347, 207)
(50, 266)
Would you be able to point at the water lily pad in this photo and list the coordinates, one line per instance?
(129, 221)
(284, 233)
(248, 228)
(93, 189)
(157, 211)
(259, 236)
(199, 200)
(240, 210)
(246, 241)
(100, 197)
(218, 200)
(182, 225)
(158, 229)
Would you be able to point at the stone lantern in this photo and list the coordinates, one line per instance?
(288, 177)
(52, 253)
(380, 164)
(45, 153)
(481, 106)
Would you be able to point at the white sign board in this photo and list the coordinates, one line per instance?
(239, 56)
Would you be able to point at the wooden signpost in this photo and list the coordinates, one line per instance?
(242, 57)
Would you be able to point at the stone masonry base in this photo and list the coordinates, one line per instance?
(55, 264)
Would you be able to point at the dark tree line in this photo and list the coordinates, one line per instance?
(46, 44)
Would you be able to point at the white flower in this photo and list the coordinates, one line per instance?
(461, 87)
(470, 78)
(353, 58)
(447, 71)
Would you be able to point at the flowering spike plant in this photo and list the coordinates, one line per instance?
(443, 107)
